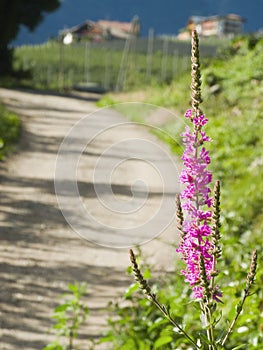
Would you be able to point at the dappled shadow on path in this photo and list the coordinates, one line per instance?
(39, 257)
(85, 96)
(39, 253)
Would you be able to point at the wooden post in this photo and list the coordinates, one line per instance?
(149, 59)
(123, 65)
(87, 62)
(107, 74)
(175, 63)
(61, 66)
(164, 59)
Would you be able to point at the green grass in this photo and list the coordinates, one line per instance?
(236, 126)
(136, 112)
(56, 66)
(59, 67)
(9, 131)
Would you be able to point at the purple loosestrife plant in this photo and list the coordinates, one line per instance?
(196, 240)
(198, 214)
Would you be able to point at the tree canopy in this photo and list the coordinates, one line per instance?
(13, 14)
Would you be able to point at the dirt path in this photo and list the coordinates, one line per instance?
(40, 253)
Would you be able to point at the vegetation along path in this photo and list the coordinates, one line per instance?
(116, 186)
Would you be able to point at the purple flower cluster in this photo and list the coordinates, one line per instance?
(196, 202)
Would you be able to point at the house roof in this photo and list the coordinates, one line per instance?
(104, 27)
(120, 26)
(82, 28)
(200, 19)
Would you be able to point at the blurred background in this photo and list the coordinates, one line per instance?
(139, 51)
(111, 45)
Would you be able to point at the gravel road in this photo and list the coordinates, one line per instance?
(71, 209)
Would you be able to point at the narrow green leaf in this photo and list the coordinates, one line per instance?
(133, 287)
(239, 307)
(62, 307)
(203, 338)
(107, 339)
(162, 341)
(86, 310)
(157, 323)
(147, 274)
(240, 346)
(129, 270)
(72, 287)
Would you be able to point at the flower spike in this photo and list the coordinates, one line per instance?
(196, 75)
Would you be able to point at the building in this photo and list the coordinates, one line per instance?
(102, 30)
(219, 26)
(120, 30)
(88, 29)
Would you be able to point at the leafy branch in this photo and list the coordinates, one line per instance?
(143, 284)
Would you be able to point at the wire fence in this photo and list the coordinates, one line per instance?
(110, 65)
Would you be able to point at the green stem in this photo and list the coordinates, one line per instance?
(211, 330)
(206, 304)
(250, 280)
(208, 319)
(71, 340)
(235, 319)
(152, 297)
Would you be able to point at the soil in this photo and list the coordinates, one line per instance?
(40, 252)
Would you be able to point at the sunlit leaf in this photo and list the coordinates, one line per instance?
(162, 341)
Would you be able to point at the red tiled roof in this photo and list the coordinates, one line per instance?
(123, 26)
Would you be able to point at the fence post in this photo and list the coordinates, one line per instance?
(87, 62)
(49, 75)
(107, 74)
(123, 66)
(61, 66)
(175, 63)
(149, 59)
(164, 59)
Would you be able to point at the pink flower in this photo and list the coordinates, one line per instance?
(188, 113)
(200, 120)
(196, 202)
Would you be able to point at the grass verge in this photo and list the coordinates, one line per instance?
(9, 131)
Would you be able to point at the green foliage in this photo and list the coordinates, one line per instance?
(9, 131)
(177, 94)
(137, 324)
(136, 112)
(235, 123)
(57, 66)
(106, 101)
(69, 316)
(236, 127)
